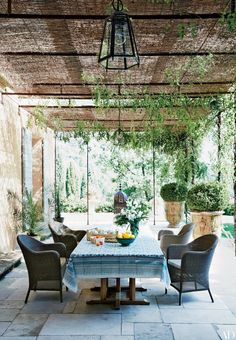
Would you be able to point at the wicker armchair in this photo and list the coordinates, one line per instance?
(79, 234)
(45, 264)
(189, 264)
(70, 240)
(167, 237)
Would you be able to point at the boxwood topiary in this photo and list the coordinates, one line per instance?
(207, 197)
(174, 192)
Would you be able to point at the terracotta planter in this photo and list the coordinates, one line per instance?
(207, 223)
(174, 213)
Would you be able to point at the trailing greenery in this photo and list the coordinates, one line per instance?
(174, 192)
(207, 197)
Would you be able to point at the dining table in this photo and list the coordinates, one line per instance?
(141, 259)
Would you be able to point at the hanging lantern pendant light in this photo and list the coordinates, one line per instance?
(118, 49)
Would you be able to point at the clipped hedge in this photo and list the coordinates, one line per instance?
(174, 192)
(207, 197)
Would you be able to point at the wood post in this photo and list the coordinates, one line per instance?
(219, 120)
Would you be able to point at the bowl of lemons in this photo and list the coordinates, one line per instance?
(125, 239)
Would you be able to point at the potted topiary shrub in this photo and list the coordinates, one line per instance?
(174, 196)
(206, 202)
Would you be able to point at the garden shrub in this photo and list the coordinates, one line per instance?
(174, 192)
(207, 197)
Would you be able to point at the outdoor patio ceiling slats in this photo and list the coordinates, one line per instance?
(46, 45)
(99, 7)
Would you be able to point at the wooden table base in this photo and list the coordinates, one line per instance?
(105, 292)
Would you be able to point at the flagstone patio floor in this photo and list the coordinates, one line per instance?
(45, 318)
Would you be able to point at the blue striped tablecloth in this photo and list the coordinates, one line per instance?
(141, 259)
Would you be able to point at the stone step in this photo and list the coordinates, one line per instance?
(8, 261)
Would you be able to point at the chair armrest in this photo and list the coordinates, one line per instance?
(164, 232)
(196, 262)
(176, 251)
(79, 234)
(59, 247)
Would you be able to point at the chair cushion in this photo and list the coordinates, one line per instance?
(175, 263)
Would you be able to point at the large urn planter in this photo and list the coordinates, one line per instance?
(174, 213)
(206, 202)
(174, 195)
(207, 222)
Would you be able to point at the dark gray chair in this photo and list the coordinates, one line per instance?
(167, 237)
(189, 264)
(69, 239)
(79, 234)
(45, 264)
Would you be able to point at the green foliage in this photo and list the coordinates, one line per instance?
(83, 187)
(230, 209)
(72, 205)
(26, 213)
(106, 207)
(207, 197)
(191, 28)
(229, 19)
(174, 192)
(31, 214)
(196, 66)
(71, 183)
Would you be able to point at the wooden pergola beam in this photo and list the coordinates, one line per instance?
(94, 54)
(88, 96)
(37, 16)
(138, 84)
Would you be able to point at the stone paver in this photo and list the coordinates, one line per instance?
(201, 300)
(168, 301)
(5, 293)
(81, 324)
(39, 307)
(45, 318)
(127, 328)
(141, 314)
(153, 331)
(26, 325)
(83, 308)
(4, 326)
(8, 314)
(197, 316)
(117, 337)
(18, 337)
(226, 332)
(194, 332)
(69, 337)
(11, 304)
